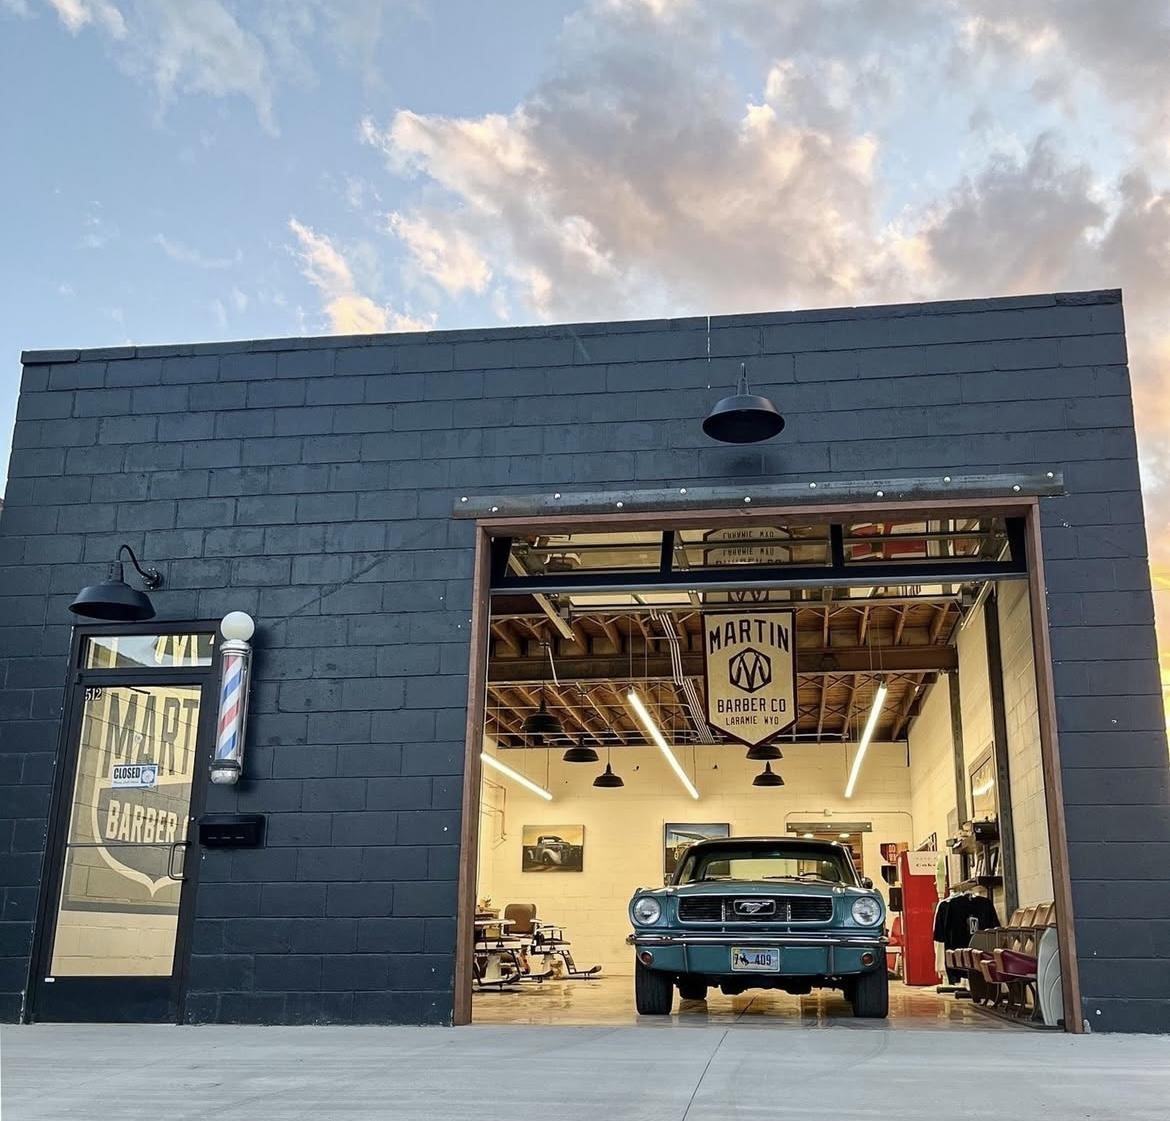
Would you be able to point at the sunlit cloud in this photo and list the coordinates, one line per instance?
(348, 310)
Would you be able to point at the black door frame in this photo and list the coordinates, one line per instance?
(139, 991)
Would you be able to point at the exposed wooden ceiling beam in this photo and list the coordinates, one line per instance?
(900, 625)
(504, 634)
(811, 661)
(940, 617)
(825, 682)
(903, 716)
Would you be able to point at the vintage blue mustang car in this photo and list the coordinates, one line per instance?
(760, 912)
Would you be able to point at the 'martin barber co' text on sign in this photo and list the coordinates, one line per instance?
(751, 673)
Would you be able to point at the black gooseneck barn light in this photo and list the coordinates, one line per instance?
(762, 751)
(745, 418)
(113, 600)
(767, 777)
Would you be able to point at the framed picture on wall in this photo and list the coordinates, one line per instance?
(677, 836)
(984, 805)
(553, 848)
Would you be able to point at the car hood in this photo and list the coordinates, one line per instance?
(762, 887)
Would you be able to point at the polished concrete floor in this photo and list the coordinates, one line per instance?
(610, 1001)
(82, 1072)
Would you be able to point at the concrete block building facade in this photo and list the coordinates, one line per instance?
(312, 484)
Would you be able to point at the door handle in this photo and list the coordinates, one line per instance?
(178, 846)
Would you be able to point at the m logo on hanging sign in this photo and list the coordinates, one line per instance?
(751, 673)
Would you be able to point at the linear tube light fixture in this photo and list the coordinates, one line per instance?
(647, 722)
(879, 699)
(515, 776)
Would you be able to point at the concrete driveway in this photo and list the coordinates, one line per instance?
(56, 1072)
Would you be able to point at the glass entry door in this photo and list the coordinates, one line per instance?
(113, 931)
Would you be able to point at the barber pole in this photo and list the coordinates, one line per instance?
(236, 657)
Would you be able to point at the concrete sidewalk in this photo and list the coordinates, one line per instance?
(58, 1072)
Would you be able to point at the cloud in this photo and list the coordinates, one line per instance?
(448, 256)
(1019, 225)
(1122, 47)
(636, 178)
(348, 310)
(187, 255)
(76, 14)
(198, 46)
(224, 50)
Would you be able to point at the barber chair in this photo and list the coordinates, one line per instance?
(548, 941)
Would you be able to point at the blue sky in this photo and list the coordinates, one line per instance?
(200, 169)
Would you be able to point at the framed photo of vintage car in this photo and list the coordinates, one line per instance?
(553, 848)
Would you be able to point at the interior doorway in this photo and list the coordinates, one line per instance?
(602, 754)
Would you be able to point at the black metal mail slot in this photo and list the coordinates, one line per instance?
(218, 831)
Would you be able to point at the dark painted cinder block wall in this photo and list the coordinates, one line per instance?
(310, 482)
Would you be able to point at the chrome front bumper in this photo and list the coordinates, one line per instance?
(746, 938)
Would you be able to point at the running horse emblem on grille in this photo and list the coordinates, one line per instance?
(755, 907)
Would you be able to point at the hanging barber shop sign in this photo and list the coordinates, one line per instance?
(751, 673)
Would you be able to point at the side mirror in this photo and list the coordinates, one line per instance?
(866, 882)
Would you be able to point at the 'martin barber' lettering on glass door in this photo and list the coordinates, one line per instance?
(127, 839)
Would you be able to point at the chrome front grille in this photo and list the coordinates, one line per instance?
(700, 908)
(755, 908)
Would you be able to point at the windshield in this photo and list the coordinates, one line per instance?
(728, 863)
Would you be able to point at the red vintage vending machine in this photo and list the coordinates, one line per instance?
(916, 872)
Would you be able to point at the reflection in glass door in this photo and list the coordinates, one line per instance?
(127, 838)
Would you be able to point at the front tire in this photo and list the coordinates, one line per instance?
(870, 995)
(691, 988)
(653, 991)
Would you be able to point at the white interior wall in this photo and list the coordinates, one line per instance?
(932, 766)
(1030, 816)
(931, 752)
(974, 693)
(624, 828)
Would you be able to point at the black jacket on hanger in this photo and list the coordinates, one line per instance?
(960, 916)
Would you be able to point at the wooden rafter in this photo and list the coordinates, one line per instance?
(900, 625)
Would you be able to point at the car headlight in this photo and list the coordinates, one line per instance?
(866, 911)
(646, 910)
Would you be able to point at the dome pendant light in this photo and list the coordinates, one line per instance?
(745, 418)
(113, 600)
(607, 780)
(542, 723)
(761, 751)
(580, 752)
(767, 777)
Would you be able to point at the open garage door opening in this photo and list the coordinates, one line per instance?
(786, 769)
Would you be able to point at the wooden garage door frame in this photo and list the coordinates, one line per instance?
(487, 528)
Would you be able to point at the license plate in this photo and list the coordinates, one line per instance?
(754, 959)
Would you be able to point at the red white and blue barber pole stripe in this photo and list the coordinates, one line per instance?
(233, 711)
